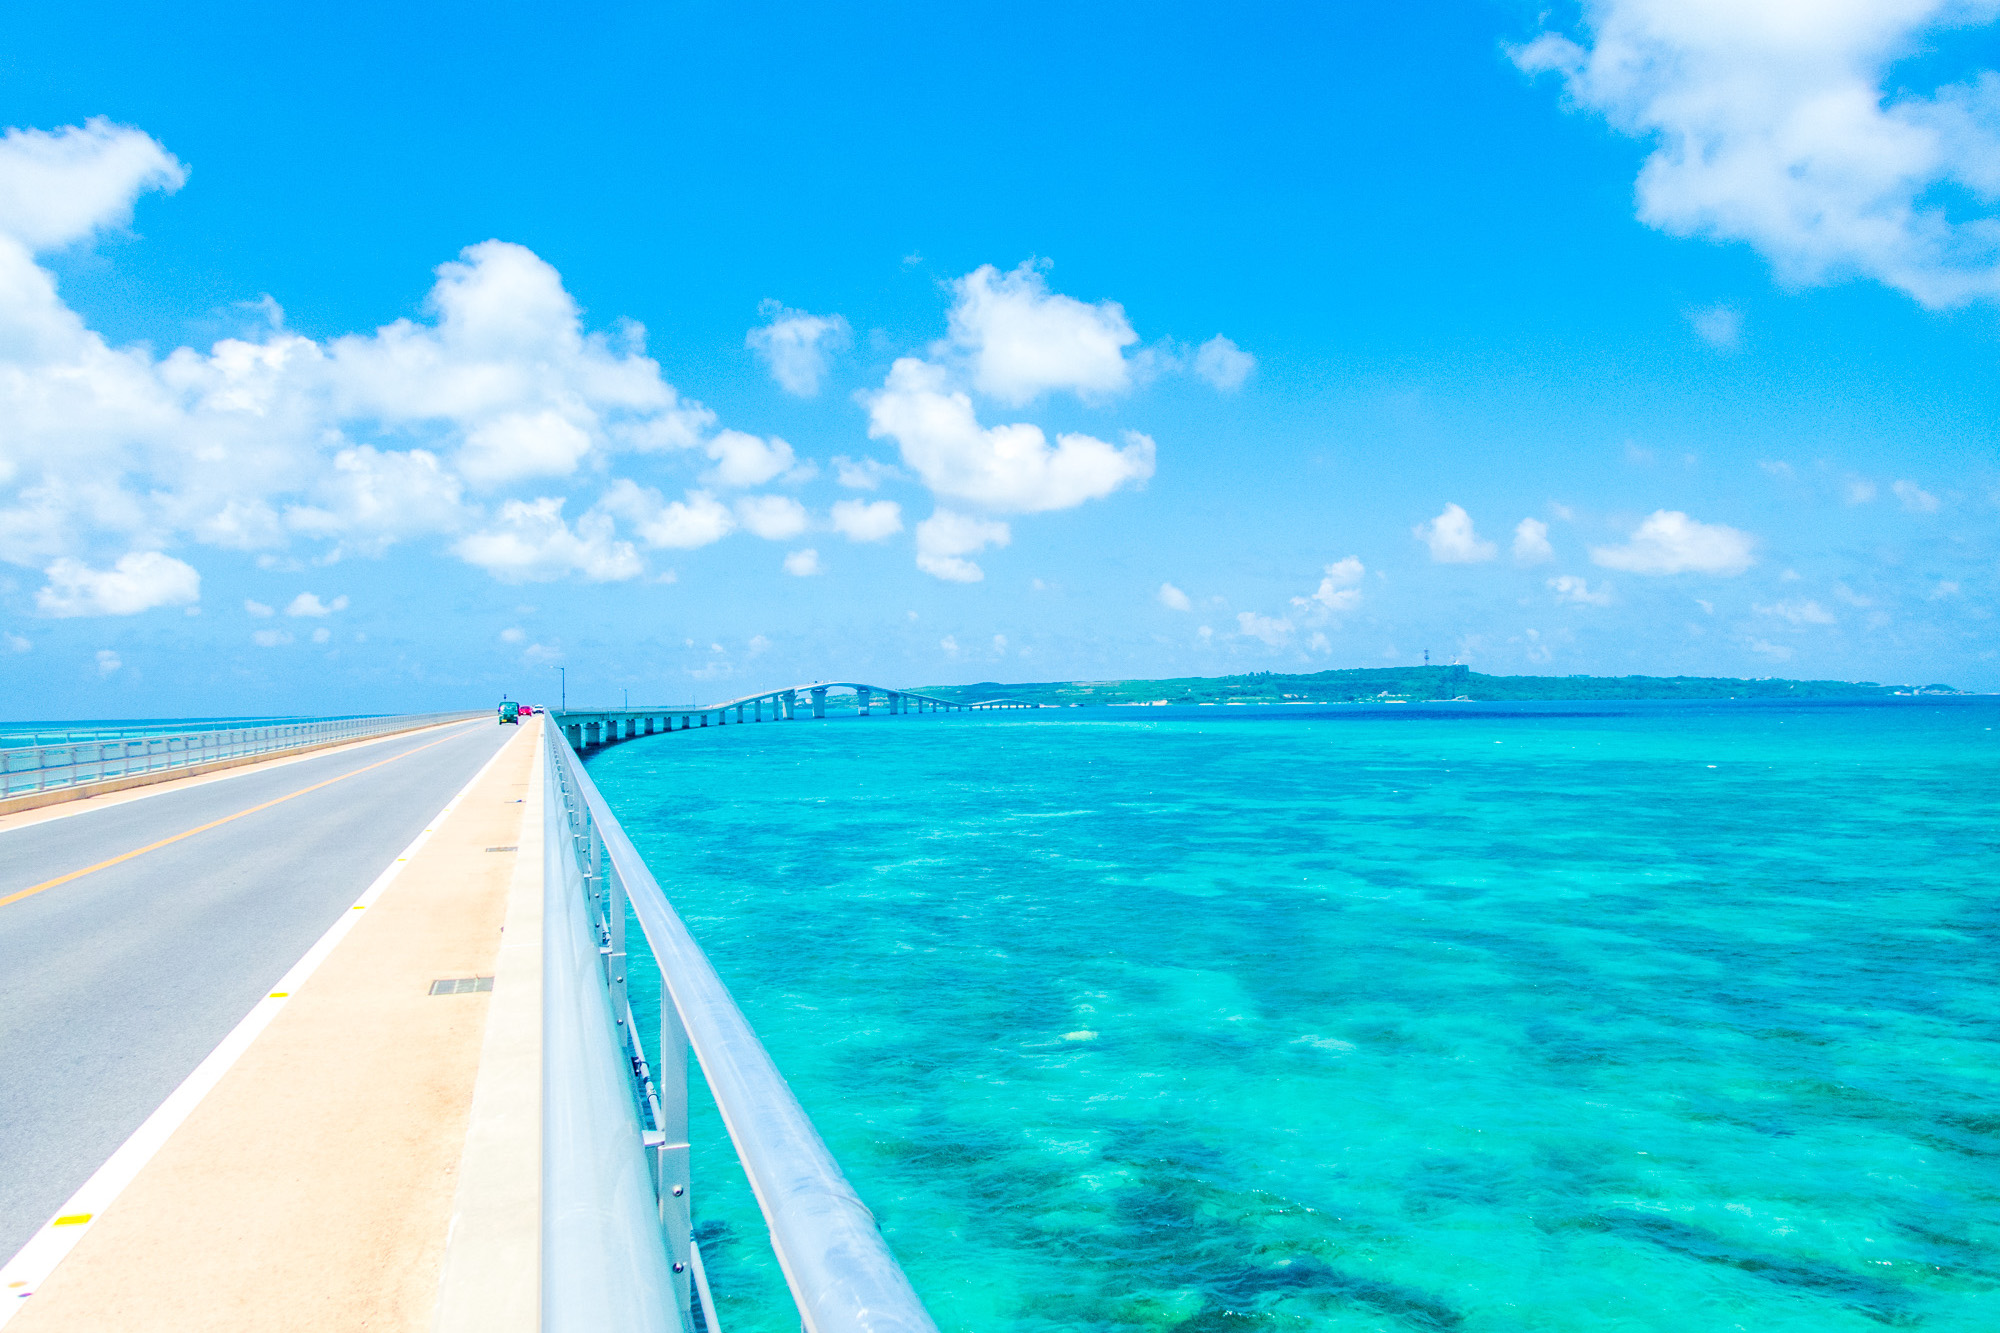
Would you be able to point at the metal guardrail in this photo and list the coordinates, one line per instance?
(841, 1273)
(34, 768)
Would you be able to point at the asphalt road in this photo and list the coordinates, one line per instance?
(115, 985)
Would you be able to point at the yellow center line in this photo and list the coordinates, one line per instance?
(213, 823)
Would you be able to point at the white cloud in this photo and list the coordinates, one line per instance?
(775, 518)
(529, 542)
(1339, 590)
(108, 662)
(1719, 326)
(1023, 340)
(682, 525)
(1860, 491)
(59, 187)
(522, 444)
(252, 444)
(946, 537)
(1669, 542)
(1797, 613)
(1008, 468)
(322, 634)
(513, 634)
(16, 644)
(271, 638)
(1452, 540)
(1223, 364)
(1531, 543)
(1273, 631)
(309, 604)
(1946, 588)
(797, 346)
(1915, 498)
(861, 474)
(1173, 598)
(1777, 467)
(745, 460)
(1776, 651)
(1781, 124)
(137, 582)
(866, 520)
(804, 563)
(258, 609)
(1569, 588)
(950, 644)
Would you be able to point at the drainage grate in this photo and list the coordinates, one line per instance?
(461, 985)
(514, 848)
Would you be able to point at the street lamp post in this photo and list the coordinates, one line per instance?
(564, 673)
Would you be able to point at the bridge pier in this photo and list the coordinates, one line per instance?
(864, 698)
(791, 705)
(819, 702)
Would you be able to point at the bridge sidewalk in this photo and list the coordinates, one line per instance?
(316, 1185)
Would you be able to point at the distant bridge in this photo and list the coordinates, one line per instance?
(589, 727)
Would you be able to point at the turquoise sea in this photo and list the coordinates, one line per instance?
(1661, 1017)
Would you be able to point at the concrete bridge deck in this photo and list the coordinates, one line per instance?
(312, 1185)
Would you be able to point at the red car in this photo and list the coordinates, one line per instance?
(527, 710)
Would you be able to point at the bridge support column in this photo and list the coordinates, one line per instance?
(791, 705)
(863, 698)
(819, 702)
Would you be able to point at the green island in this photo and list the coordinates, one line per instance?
(1414, 684)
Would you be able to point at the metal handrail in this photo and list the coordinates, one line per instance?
(35, 768)
(840, 1270)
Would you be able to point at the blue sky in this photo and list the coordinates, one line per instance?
(379, 360)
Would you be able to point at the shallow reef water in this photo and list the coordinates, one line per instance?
(1456, 1017)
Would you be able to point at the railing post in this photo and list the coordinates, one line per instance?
(670, 1085)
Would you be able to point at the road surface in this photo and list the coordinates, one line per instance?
(115, 984)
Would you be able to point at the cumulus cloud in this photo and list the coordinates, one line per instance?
(1173, 598)
(108, 662)
(60, 187)
(697, 520)
(1859, 491)
(745, 460)
(1339, 590)
(1007, 468)
(775, 518)
(1577, 592)
(269, 439)
(1452, 540)
(14, 643)
(1778, 124)
(271, 638)
(1273, 631)
(136, 582)
(258, 609)
(1223, 364)
(946, 537)
(804, 563)
(309, 604)
(797, 347)
(1669, 542)
(866, 520)
(861, 474)
(1023, 340)
(529, 542)
(1531, 543)
(1915, 498)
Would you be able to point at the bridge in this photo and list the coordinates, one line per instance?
(329, 1029)
(589, 728)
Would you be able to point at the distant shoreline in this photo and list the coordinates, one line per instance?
(1427, 684)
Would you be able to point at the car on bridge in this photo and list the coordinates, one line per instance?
(510, 712)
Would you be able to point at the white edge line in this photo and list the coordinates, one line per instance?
(29, 1268)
